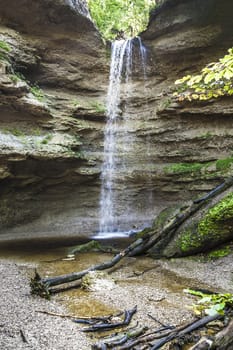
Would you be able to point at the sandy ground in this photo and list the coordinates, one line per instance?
(156, 287)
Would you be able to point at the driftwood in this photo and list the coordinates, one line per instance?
(119, 339)
(106, 326)
(97, 320)
(141, 338)
(168, 336)
(188, 329)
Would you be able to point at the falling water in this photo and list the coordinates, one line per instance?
(120, 72)
(80, 6)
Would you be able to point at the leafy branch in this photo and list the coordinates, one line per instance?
(215, 80)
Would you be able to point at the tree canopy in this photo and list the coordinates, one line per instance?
(120, 18)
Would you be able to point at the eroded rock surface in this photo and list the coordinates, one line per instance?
(54, 76)
(52, 139)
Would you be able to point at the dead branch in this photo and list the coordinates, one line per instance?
(190, 328)
(120, 338)
(97, 320)
(128, 314)
(57, 315)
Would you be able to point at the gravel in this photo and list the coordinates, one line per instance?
(155, 286)
(22, 326)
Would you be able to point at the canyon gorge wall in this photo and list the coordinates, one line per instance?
(52, 137)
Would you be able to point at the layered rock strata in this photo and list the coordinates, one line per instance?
(52, 137)
(53, 82)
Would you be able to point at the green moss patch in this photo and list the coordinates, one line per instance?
(221, 166)
(189, 240)
(4, 50)
(216, 220)
(216, 227)
(184, 168)
(224, 164)
(219, 253)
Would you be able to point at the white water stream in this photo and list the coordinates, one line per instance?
(120, 73)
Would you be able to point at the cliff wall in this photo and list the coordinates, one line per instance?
(53, 83)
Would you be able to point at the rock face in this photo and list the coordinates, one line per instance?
(52, 138)
(49, 135)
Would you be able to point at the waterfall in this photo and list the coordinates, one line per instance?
(120, 73)
(80, 6)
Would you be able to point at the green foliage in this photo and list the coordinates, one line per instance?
(206, 135)
(4, 46)
(189, 241)
(98, 107)
(184, 168)
(47, 138)
(219, 253)
(17, 77)
(211, 304)
(14, 131)
(125, 17)
(4, 50)
(37, 92)
(215, 80)
(214, 227)
(224, 164)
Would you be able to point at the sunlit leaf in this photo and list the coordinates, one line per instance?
(215, 80)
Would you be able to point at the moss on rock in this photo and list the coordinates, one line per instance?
(215, 227)
(219, 219)
(184, 168)
(219, 253)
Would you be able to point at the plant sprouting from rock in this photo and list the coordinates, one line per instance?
(215, 80)
(37, 92)
(4, 50)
